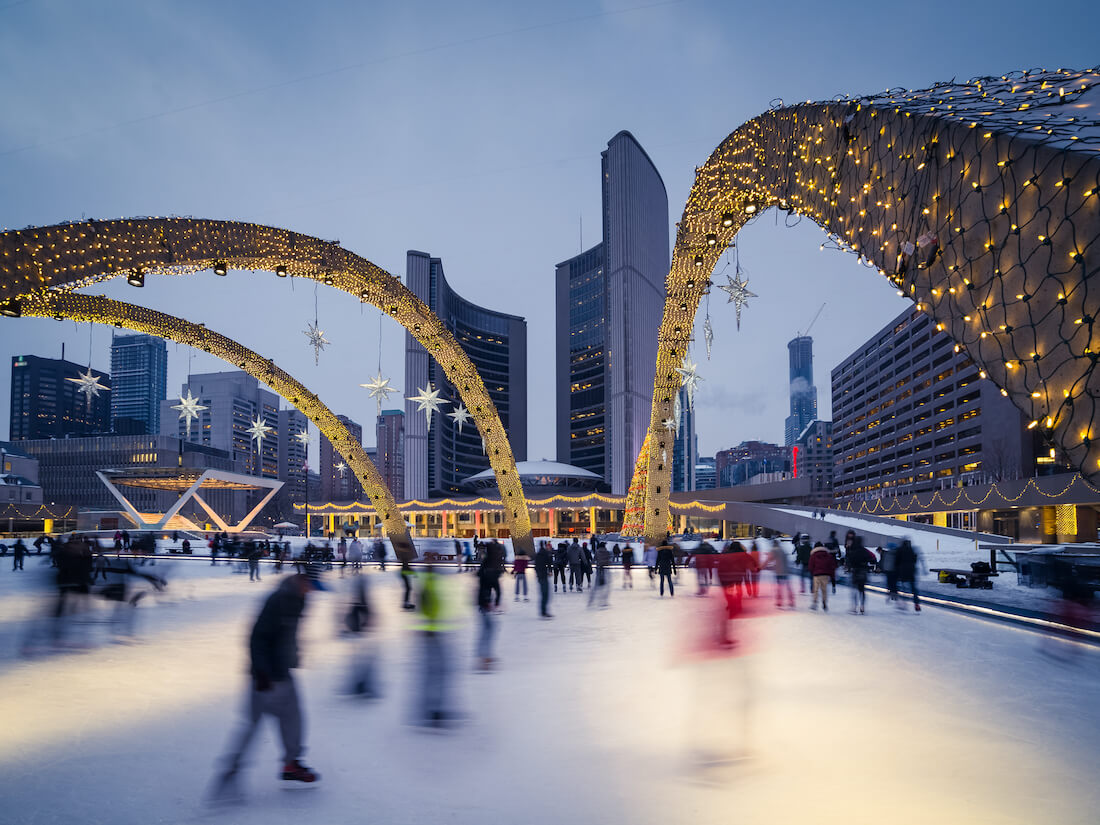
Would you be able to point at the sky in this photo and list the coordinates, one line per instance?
(473, 132)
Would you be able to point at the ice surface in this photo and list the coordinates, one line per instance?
(595, 716)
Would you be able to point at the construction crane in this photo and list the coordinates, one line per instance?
(813, 321)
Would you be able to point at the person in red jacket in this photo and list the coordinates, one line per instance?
(822, 567)
(734, 569)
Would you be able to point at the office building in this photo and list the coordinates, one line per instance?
(738, 465)
(706, 474)
(609, 303)
(684, 448)
(438, 459)
(390, 445)
(911, 415)
(338, 482)
(233, 401)
(812, 459)
(292, 455)
(139, 382)
(46, 401)
(802, 389)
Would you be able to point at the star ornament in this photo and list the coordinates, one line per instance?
(379, 389)
(302, 438)
(428, 402)
(87, 384)
(708, 335)
(259, 431)
(341, 468)
(460, 416)
(689, 380)
(669, 424)
(189, 408)
(738, 290)
(317, 340)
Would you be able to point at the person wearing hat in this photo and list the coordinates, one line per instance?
(273, 649)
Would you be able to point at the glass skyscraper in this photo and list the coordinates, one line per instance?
(609, 301)
(803, 391)
(139, 382)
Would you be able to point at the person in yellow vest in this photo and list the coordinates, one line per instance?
(435, 709)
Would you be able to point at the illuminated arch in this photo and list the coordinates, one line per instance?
(99, 310)
(979, 200)
(70, 256)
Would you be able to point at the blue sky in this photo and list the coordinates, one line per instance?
(471, 131)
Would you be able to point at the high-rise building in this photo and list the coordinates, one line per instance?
(706, 476)
(685, 447)
(233, 402)
(609, 303)
(338, 482)
(803, 391)
(911, 415)
(438, 459)
(292, 454)
(737, 465)
(812, 458)
(46, 401)
(139, 382)
(390, 444)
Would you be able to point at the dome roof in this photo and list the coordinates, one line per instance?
(540, 474)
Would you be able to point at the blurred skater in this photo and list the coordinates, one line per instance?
(544, 562)
(857, 562)
(519, 572)
(666, 566)
(822, 566)
(780, 566)
(600, 592)
(19, 550)
(406, 573)
(358, 624)
(561, 562)
(628, 567)
(649, 559)
(435, 709)
(905, 562)
(488, 575)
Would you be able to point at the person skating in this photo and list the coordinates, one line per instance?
(492, 568)
(273, 650)
(599, 593)
(576, 566)
(406, 573)
(802, 552)
(519, 572)
(666, 566)
(561, 562)
(255, 553)
(19, 550)
(628, 567)
(822, 566)
(780, 565)
(435, 709)
(649, 558)
(905, 561)
(544, 562)
(857, 562)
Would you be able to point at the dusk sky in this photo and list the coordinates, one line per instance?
(471, 131)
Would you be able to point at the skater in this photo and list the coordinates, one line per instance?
(19, 550)
(905, 562)
(273, 648)
(599, 593)
(435, 703)
(802, 552)
(492, 568)
(649, 559)
(561, 562)
(519, 572)
(358, 622)
(780, 565)
(576, 566)
(889, 564)
(822, 566)
(406, 573)
(544, 561)
(857, 563)
(628, 565)
(488, 577)
(355, 554)
(255, 553)
(666, 566)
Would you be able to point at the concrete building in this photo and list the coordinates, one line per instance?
(139, 382)
(706, 474)
(46, 401)
(292, 459)
(389, 433)
(437, 460)
(338, 482)
(910, 414)
(812, 458)
(738, 465)
(609, 302)
(684, 448)
(233, 401)
(802, 389)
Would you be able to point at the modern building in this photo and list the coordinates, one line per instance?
(802, 389)
(913, 414)
(389, 433)
(338, 482)
(292, 458)
(812, 458)
(233, 401)
(706, 474)
(609, 303)
(139, 382)
(18, 477)
(685, 447)
(46, 400)
(738, 465)
(437, 459)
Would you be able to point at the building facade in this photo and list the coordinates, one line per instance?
(139, 383)
(738, 465)
(292, 458)
(46, 401)
(437, 459)
(338, 482)
(911, 414)
(802, 389)
(684, 448)
(706, 473)
(233, 401)
(812, 458)
(389, 433)
(609, 303)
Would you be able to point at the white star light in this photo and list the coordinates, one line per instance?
(738, 290)
(303, 438)
(189, 408)
(689, 380)
(317, 340)
(379, 388)
(460, 415)
(341, 468)
(87, 384)
(669, 424)
(428, 401)
(708, 335)
(259, 431)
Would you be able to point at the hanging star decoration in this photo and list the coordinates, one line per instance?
(460, 415)
(677, 411)
(341, 468)
(259, 431)
(379, 389)
(738, 290)
(689, 380)
(303, 437)
(317, 340)
(428, 401)
(87, 384)
(669, 424)
(708, 335)
(189, 408)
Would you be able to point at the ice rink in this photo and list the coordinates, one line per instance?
(596, 716)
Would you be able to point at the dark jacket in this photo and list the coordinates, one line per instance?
(802, 554)
(274, 641)
(666, 560)
(858, 559)
(543, 562)
(822, 562)
(905, 561)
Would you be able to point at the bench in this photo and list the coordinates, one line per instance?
(976, 579)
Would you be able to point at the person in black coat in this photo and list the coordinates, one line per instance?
(544, 563)
(905, 566)
(857, 562)
(666, 566)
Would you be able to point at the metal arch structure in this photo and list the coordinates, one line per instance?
(67, 257)
(978, 200)
(98, 310)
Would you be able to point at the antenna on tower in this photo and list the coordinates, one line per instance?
(813, 321)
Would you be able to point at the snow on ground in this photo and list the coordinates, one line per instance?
(596, 716)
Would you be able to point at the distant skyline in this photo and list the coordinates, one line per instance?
(473, 130)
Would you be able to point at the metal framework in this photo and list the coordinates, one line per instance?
(979, 200)
(67, 257)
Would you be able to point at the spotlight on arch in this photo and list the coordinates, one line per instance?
(11, 309)
(698, 260)
(712, 239)
(750, 208)
(727, 220)
(136, 278)
(280, 270)
(220, 268)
